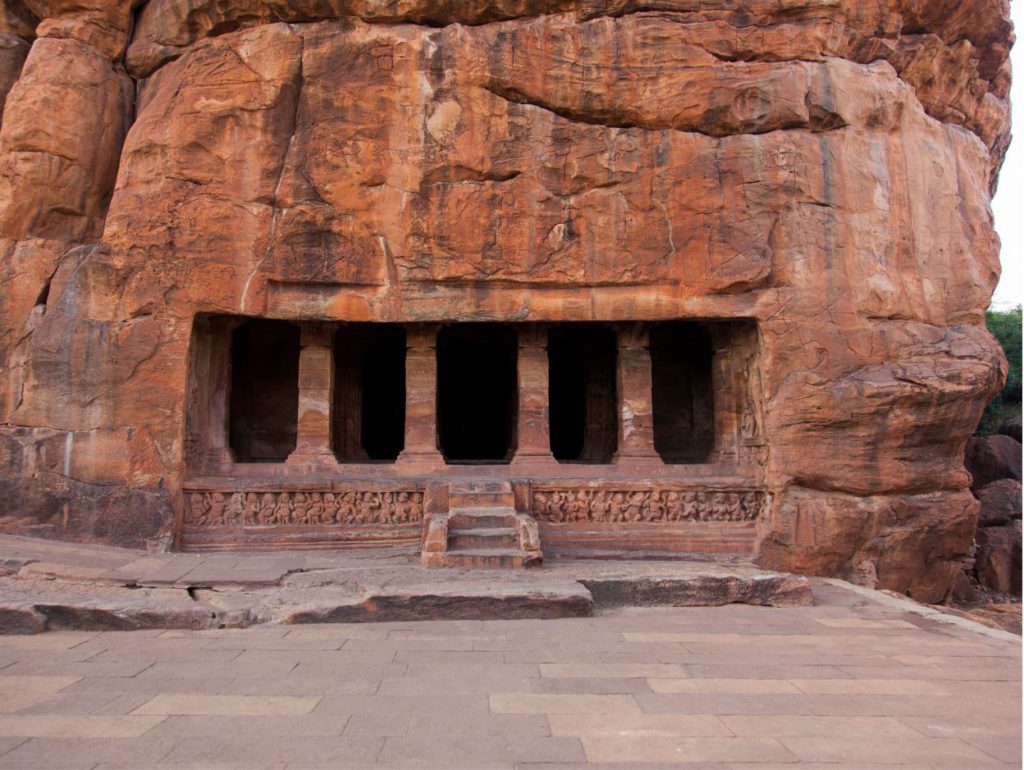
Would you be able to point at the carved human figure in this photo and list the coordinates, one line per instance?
(330, 514)
(719, 507)
(216, 510)
(199, 509)
(251, 509)
(267, 504)
(655, 507)
(635, 508)
(600, 506)
(347, 508)
(283, 509)
(673, 506)
(703, 510)
(690, 510)
(315, 511)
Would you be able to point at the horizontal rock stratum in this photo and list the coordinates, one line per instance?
(815, 172)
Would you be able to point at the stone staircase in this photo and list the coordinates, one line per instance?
(481, 529)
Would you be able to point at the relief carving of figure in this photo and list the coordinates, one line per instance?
(618, 507)
(267, 505)
(215, 513)
(656, 507)
(198, 509)
(236, 509)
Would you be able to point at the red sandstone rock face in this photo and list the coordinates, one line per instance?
(823, 168)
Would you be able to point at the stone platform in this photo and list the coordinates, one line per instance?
(50, 585)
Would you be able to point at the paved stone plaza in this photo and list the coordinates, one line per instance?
(855, 681)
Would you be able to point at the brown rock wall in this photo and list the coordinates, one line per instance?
(13, 51)
(908, 543)
(804, 165)
(17, 19)
(957, 61)
(60, 142)
(100, 24)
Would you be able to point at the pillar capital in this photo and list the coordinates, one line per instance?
(634, 335)
(421, 336)
(533, 336)
(316, 334)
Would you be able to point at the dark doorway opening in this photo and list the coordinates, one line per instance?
(264, 410)
(477, 394)
(582, 398)
(684, 420)
(368, 420)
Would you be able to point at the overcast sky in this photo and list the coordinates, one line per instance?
(1008, 204)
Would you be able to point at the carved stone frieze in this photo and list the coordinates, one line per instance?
(564, 506)
(302, 508)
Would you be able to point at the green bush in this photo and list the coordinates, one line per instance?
(1005, 326)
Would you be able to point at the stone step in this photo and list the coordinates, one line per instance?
(483, 537)
(487, 494)
(482, 517)
(496, 558)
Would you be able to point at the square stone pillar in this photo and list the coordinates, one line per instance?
(636, 398)
(421, 452)
(208, 432)
(533, 430)
(316, 395)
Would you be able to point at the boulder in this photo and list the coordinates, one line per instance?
(1000, 502)
(999, 558)
(1010, 428)
(990, 458)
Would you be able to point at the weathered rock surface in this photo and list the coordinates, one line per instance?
(1000, 502)
(1011, 429)
(13, 51)
(991, 458)
(823, 168)
(999, 558)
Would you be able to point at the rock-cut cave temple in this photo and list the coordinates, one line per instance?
(497, 278)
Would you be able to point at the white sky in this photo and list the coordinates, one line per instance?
(1008, 205)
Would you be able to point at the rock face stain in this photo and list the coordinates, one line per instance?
(821, 170)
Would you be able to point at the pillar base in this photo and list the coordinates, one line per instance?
(311, 457)
(420, 461)
(533, 459)
(644, 460)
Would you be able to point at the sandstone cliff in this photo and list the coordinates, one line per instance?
(821, 166)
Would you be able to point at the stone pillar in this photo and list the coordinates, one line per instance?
(217, 371)
(316, 394)
(207, 439)
(636, 401)
(533, 428)
(420, 451)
